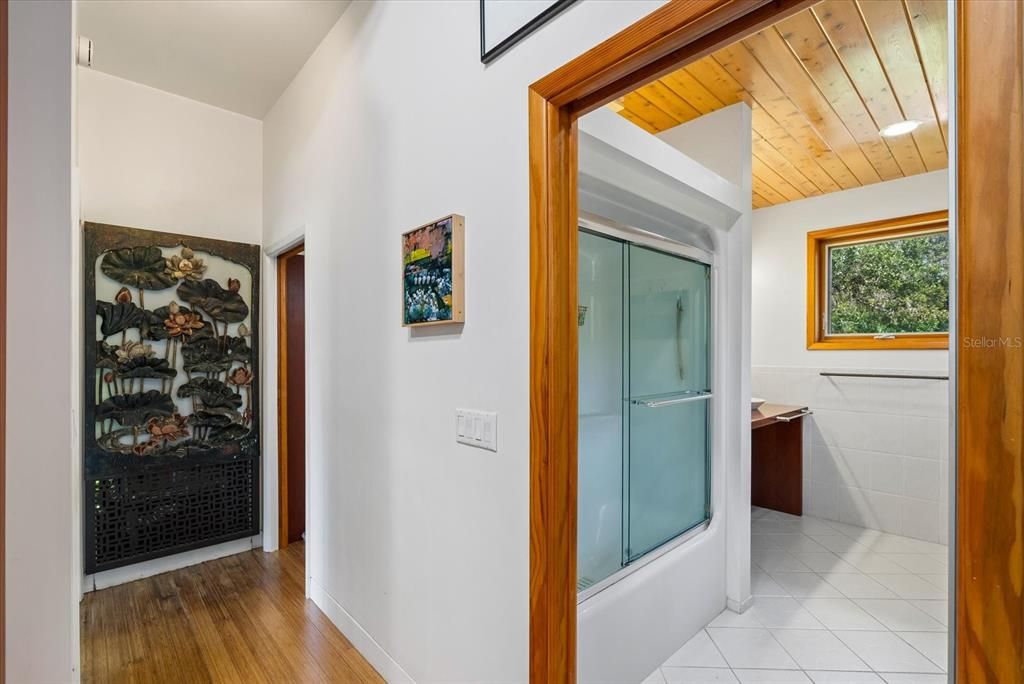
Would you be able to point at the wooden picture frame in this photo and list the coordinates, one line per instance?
(433, 273)
(818, 244)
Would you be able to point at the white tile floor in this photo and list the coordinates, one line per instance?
(833, 604)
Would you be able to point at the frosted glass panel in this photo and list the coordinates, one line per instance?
(644, 397)
(668, 323)
(667, 473)
(600, 406)
(667, 453)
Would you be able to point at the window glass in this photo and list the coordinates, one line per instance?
(898, 286)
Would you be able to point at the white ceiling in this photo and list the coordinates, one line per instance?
(235, 54)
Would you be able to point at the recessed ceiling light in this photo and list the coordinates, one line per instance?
(899, 128)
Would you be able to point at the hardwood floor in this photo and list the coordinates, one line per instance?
(237, 619)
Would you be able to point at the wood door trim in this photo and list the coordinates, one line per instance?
(282, 393)
(680, 31)
(989, 586)
(989, 581)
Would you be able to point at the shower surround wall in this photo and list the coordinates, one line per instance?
(875, 450)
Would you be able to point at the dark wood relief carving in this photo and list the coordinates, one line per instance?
(171, 437)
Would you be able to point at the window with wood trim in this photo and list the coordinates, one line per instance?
(880, 285)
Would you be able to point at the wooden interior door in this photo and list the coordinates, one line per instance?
(292, 396)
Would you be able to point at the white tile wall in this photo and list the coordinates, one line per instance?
(875, 450)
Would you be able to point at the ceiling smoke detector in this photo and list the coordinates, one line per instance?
(899, 128)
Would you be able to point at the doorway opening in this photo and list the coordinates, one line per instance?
(291, 331)
(840, 464)
(649, 53)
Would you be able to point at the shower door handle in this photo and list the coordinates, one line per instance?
(658, 403)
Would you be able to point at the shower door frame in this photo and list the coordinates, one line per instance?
(634, 236)
(987, 212)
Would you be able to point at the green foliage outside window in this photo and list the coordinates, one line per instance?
(890, 286)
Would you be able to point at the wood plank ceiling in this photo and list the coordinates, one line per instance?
(821, 85)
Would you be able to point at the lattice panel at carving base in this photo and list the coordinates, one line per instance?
(142, 515)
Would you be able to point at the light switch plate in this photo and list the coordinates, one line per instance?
(477, 428)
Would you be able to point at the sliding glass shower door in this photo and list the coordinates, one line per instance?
(668, 399)
(599, 482)
(644, 398)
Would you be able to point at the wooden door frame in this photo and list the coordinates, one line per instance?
(282, 394)
(989, 587)
(989, 551)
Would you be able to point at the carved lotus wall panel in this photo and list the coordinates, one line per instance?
(171, 360)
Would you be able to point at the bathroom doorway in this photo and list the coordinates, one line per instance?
(291, 285)
(678, 34)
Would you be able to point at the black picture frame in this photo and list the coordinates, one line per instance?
(488, 56)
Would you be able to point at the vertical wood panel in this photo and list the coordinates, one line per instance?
(553, 397)
(990, 378)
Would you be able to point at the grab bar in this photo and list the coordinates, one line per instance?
(658, 403)
(786, 419)
(828, 374)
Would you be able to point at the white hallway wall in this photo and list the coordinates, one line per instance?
(393, 122)
(41, 544)
(155, 160)
(151, 159)
(875, 450)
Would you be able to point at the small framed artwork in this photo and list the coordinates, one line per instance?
(503, 23)
(433, 274)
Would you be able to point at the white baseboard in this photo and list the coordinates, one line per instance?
(157, 566)
(739, 606)
(374, 653)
